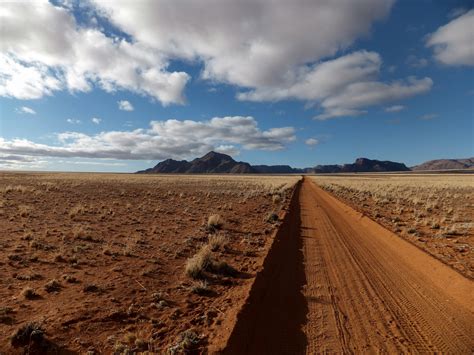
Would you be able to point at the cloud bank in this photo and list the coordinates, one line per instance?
(344, 86)
(269, 50)
(163, 139)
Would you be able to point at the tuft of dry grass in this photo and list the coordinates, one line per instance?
(276, 199)
(196, 265)
(26, 334)
(187, 341)
(271, 217)
(217, 242)
(24, 210)
(215, 221)
(52, 286)
(71, 279)
(203, 261)
(200, 287)
(77, 210)
(29, 293)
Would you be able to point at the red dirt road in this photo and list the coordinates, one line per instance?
(336, 281)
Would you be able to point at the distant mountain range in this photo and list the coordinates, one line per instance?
(446, 164)
(218, 163)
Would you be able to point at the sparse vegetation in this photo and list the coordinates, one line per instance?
(187, 341)
(52, 286)
(200, 262)
(29, 277)
(81, 230)
(70, 279)
(77, 210)
(271, 217)
(276, 199)
(27, 334)
(217, 242)
(200, 287)
(214, 222)
(29, 293)
(24, 210)
(433, 211)
(204, 261)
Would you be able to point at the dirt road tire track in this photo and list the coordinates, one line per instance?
(336, 281)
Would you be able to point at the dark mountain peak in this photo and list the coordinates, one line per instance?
(362, 161)
(215, 157)
(212, 162)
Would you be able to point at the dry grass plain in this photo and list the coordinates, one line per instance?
(115, 263)
(435, 212)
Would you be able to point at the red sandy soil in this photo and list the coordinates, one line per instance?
(454, 249)
(337, 282)
(118, 244)
(329, 279)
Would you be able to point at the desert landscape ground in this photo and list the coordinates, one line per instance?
(433, 211)
(99, 262)
(122, 263)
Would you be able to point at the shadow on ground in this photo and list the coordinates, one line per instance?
(271, 321)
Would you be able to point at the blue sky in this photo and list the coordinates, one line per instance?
(109, 88)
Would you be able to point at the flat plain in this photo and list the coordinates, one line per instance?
(123, 263)
(101, 262)
(433, 211)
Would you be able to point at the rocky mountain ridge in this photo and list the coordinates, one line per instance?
(218, 163)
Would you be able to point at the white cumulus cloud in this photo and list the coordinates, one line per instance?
(43, 50)
(311, 142)
(344, 86)
(125, 105)
(453, 43)
(96, 120)
(369, 93)
(247, 43)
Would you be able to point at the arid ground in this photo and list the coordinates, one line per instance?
(433, 211)
(98, 261)
(354, 287)
(110, 263)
